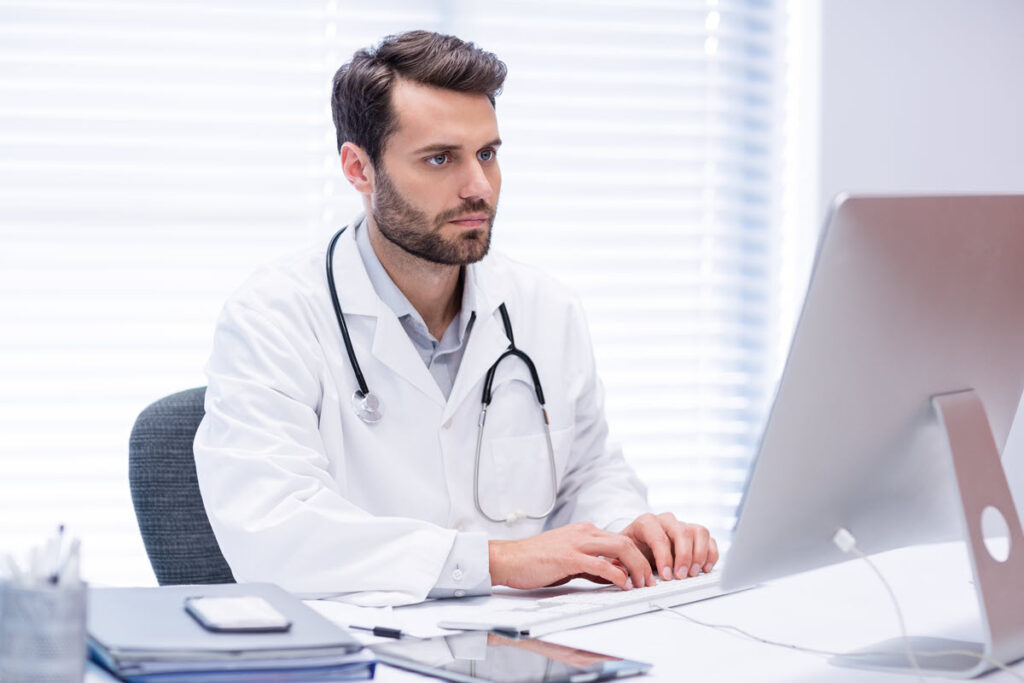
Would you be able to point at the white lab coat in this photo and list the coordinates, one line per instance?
(303, 493)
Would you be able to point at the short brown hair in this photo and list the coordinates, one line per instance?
(361, 99)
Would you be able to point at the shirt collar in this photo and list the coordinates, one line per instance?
(382, 283)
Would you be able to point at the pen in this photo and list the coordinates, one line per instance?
(69, 571)
(54, 552)
(14, 570)
(381, 631)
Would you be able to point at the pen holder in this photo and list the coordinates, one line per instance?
(42, 633)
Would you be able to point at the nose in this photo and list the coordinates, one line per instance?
(477, 183)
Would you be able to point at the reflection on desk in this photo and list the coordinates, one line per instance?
(839, 608)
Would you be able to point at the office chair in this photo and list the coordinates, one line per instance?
(168, 506)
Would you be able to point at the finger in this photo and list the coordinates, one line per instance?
(701, 541)
(617, 564)
(638, 566)
(595, 566)
(712, 555)
(595, 579)
(622, 548)
(652, 534)
(682, 548)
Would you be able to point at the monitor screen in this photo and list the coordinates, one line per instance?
(910, 298)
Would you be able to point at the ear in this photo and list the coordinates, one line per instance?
(357, 167)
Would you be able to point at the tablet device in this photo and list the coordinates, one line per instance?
(490, 658)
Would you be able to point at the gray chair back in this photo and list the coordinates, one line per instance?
(168, 506)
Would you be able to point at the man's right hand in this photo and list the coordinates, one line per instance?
(568, 552)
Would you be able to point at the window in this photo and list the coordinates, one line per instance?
(152, 154)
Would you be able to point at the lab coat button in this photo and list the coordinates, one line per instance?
(447, 424)
(460, 593)
(457, 575)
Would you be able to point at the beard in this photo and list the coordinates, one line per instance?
(414, 232)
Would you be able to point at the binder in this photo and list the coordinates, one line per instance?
(145, 635)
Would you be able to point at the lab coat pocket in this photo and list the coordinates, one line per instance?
(520, 482)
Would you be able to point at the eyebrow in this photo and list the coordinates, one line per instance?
(444, 147)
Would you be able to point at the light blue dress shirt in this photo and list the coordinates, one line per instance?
(442, 357)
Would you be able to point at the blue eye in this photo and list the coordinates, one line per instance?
(438, 159)
(486, 155)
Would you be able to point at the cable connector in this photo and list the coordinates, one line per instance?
(844, 540)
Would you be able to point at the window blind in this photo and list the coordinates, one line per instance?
(641, 165)
(153, 154)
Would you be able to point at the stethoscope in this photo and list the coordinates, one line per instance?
(367, 405)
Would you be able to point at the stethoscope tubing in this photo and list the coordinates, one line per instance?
(371, 416)
(360, 380)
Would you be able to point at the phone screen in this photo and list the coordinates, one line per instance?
(492, 658)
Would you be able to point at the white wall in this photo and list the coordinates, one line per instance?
(924, 96)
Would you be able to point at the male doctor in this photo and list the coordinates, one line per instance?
(407, 494)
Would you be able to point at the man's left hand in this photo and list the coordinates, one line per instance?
(675, 549)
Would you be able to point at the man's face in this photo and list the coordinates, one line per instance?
(436, 184)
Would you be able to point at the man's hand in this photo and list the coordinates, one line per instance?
(575, 550)
(675, 548)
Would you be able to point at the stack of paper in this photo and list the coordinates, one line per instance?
(145, 635)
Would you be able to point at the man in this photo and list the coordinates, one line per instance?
(409, 493)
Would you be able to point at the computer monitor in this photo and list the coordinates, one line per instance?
(911, 334)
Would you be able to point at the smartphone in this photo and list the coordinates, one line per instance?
(479, 657)
(243, 614)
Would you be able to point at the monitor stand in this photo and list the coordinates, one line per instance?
(999, 582)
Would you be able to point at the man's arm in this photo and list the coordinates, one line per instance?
(599, 495)
(626, 559)
(276, 505)
(598, 485)
(579, 550)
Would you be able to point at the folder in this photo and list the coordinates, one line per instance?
(145, 635)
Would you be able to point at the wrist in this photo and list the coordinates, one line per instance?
(497, 553)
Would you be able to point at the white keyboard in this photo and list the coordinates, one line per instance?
(586, 607)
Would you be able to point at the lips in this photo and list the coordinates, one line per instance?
(472, 220)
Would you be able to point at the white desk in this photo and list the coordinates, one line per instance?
(838, 608)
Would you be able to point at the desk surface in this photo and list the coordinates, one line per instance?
(839, 608)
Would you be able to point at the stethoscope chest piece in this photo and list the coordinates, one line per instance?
(366, 406)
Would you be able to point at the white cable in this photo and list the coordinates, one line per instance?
(911, 653)
(846, 542)
(746, 634)
(829, 653)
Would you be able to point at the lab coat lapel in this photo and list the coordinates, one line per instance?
(391, 344)
(486, 341)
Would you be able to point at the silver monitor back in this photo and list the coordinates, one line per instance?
(910, 297)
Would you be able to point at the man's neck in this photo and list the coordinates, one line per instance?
(433, 289)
